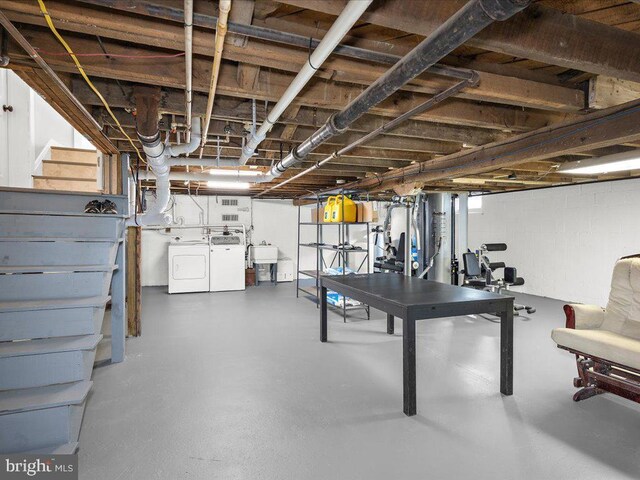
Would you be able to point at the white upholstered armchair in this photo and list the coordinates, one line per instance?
(606, 342)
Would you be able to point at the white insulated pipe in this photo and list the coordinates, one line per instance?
(229, 176)
(158, 157)
(188, 62)
(349, 16)
(221, 32)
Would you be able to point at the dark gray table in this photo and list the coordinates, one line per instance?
(411, 299)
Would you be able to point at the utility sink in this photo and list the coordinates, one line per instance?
(264, 254)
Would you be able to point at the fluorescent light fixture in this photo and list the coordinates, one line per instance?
(231, 173)
(229, 185)
(618, 162)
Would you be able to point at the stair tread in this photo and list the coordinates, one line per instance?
(61, 239)
(38, 398)
(63, 449)
(53, 304)
(49, 345)
(73, 149)
(55, 268)
(66, 162)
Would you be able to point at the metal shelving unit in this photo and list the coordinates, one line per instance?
(340, 257)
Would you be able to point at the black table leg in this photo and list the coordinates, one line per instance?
(409, 366)
(323, 314)
(506, 351)
(390, 323)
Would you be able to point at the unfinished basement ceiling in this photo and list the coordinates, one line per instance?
(558, 62)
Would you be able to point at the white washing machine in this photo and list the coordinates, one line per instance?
(188, 267)
(226, 260)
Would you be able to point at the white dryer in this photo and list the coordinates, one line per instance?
(188, 267)
(226, 260)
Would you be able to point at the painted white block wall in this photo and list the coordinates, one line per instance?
(563, 241)
(274, 221)
(26, 130)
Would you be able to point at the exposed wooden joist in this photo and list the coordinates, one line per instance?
(271, 85)
(604, 128)
(538, 33)
(240, 110)
(143, 31)
(607, 92)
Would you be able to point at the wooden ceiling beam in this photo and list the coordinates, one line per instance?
(238, 109)
(253, 54)
(271, 84)
(538, 33)
(603, 128)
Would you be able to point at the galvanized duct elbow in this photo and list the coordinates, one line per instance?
(459, 28)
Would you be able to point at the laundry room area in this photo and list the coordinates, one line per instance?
(220, 243)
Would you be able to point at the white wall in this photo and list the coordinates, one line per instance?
(273, 221)
(27, 130)
(563, 241)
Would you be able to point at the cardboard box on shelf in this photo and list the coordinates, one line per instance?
(366, 212)
(317, 215)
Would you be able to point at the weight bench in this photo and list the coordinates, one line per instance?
(606, 342)
(478, 273)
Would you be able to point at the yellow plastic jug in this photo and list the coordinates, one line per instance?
(328, 209)
(344, 210)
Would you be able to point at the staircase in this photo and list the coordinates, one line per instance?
(57, 265)
(69, 169)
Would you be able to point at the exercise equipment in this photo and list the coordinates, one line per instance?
(393, 256)
(479, 273)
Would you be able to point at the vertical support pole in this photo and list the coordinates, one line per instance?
(407, 243)
(368, 254)
(123, 186)
(134, 286)
(298, 256)
(118, 305)
(506, 350)
(323, 313)
(409, 366)
(463, 223)
(390, 324)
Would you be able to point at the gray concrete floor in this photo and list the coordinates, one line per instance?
(237, 386)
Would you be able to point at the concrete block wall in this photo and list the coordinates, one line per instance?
(274, 221)
(563, 241)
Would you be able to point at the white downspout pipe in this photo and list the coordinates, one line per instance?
(188, 61)
(221, 32)
(349, 16)
(158, 157)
